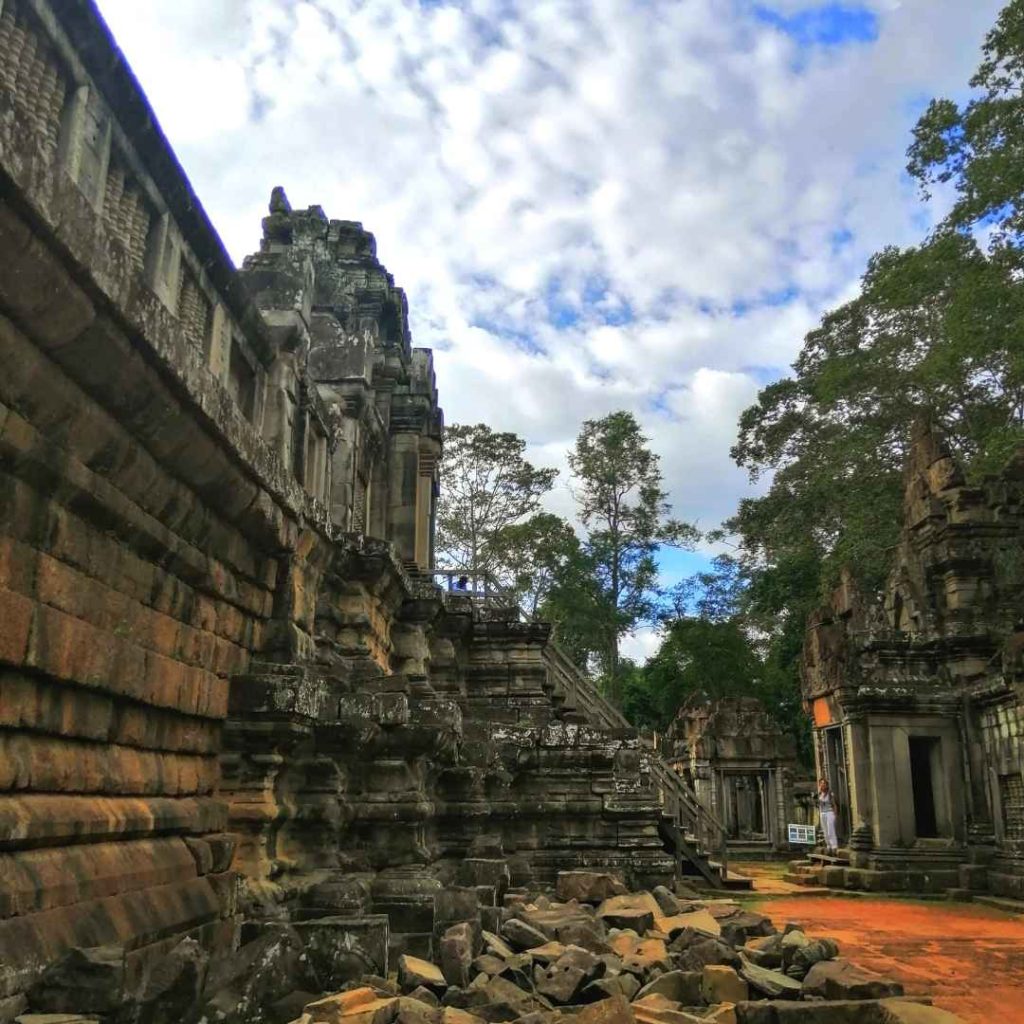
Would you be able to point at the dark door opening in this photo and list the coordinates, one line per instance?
(923, 751)
(835, 772)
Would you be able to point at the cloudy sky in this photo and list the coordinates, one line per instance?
(592, 204)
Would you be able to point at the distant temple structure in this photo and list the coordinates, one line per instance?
(917, 698)
(742, 766)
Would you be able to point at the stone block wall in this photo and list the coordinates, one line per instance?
(917, 697)
(228, 687)
(145, 524)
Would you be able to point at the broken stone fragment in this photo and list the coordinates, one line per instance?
(497, 945)
(678, 986)
(414, 973)
(721, 984)
(453, 1015)
(522, 936)
(82, 981)
(174, 983)
(692, 950)
(583, 932)
(456, 953)
(840, 979)
(425, 995)
(614, 985)
(635, 911)
(804, 958)
(500, 1000)
(548, 953)
(700, 920)
(666, 900)
(488, 964)
(357, 1006)
(772, 984)
(614, 1010)
(742, 925)
(412, 1011)
(587, 886)
(563, 979)
(765, 951)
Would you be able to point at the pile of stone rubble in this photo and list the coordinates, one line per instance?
(590, 953)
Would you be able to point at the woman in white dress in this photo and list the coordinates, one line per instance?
(827, 810)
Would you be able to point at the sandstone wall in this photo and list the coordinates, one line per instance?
(145, 525)
(228, 685)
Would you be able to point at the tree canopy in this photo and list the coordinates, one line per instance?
(937, 331)
(623, 508)
(487, 487)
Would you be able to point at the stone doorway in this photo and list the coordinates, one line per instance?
(745, 805)
(924, 756)
(834, 770)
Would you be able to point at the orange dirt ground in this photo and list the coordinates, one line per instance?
(968, 958)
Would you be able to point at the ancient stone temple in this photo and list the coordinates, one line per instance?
(742, 766)
(918, 696)
(230, 689)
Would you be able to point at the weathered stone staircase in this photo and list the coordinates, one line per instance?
(689, 830)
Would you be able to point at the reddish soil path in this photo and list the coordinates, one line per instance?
(968, 958)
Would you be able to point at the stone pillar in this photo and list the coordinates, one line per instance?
(403, 487)
(425, 487)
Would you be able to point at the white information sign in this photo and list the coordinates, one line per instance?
(802, 834)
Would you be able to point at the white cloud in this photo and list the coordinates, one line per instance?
(704, 183)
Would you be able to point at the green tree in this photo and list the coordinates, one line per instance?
(702, 657)
(979, 147)
(535, 557)
(622, 506)
(487, 486)
(937, 332)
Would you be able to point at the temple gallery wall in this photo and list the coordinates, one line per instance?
(230, 690)
(229, 687)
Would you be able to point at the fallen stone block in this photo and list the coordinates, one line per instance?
(666, 900)
(412, 1011)
(414, 973)
(678, 986)
(614, 1010)
(588, 886)
(699, 920)
(453, 1015)
(173, 985)
(456, 954)
(693, 951)
(357, 1006)
(497, 945)
(425, 995)
(772, 984)
(583, 932)
(561, 980)
(721, 984)
(840, 979)
(82, 981)
(522, 936)
(617, 985)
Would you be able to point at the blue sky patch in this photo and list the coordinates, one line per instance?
(596, 305)
(827, 25)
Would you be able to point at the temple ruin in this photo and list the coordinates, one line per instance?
(231, 687)
(744, 768)
(233, 694)
(918, 697)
